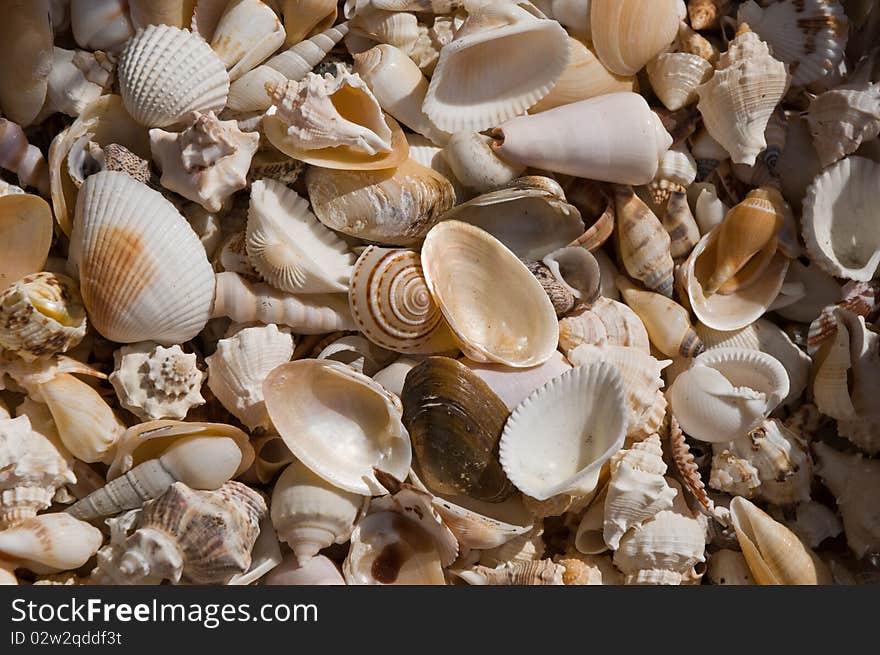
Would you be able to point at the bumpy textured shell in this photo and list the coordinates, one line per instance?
(41, 315)
(165, 73)
(535, 573)
(605, 322)
(143, 271)
(843, 118)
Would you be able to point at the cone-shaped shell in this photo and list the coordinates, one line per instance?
(338, 422)
(49, 543)
(143, 272)
(495, 307)
(166, 72)
(667, 322)
(556, 440)
(627, 34)
(25, 236)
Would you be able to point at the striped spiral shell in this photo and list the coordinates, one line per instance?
(392, 306)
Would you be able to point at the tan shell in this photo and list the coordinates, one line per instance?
(605, 322)
(675, 77)
(728, 567)
(25, 236)
(27, 33)
(644, 244)
(627, 34)
(538, 572)
(49, 543)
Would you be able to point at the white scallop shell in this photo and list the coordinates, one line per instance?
(143, 272)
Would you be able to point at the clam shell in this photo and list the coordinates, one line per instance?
(166, 72)
(25, 234)
(474, 278)
(143, 272)
(339, 423)
(627, 34)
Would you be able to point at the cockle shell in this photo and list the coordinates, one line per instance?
(247, 32)
(202, 537)
(843, 118)
(207, 162)
(153, 382)
(78, 77)
(553, 444)
(483, 79)
(627, 34)
(605, 322)
(32, 471)
(248, 92)
(738, 100)
(838, 206)
(466, 269)
(396, 206)
(392, 306)
(309, 513)
(613, 138)
(289, 247)
(475, 164)
(675, 77)
(644, 244)
(239, 366)
(727, 393)
(808, 35)
(100, 24)
(25, 236)
(49, 543)
(854, 481)
(184, 75)
(27, 33)
(246, 302)
(538, 572)
(123, 230)
(41, 315)
(774, 554)
(363, 420)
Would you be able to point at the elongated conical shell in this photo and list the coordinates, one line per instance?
(165, 73)
(628, 33)
(644, 244)
(143, 272)
(50, 543)
(667, 322)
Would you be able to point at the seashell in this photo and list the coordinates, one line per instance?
(664, 548)
(399, 29)
(425, 152)
(588, 570)
(706, 14)
(738, 100)
(167, 57)
(675, 77)
(364, 420)
(232, 257)
(24, 79)
(49, 543)
(240, 365)
(201, 537)
(555, 140)
(689, 473)
(474, 163)
(333, 122)
(727, 393)
(853, 480)
(798, 164)
(155, 455)
(207, 162)
(318, 570)
(78, 78)
(20, 157)
(709, 209)
(637, 227)
(773, 553)
(513, 385)
(248, 92)
(41, 315)
(136, 299)
(161, 12)
(304, 17)
(153, 382)
(728, 567)
(34, 471)
(681, 226)
(775, 458)
(645, 404)
(842, 119)
(637, 490)
(455, 421)
(274, 165)
(100, 24)
(247, 32)
(538, 572)
(810, 37)
(629, 33)
(394, 206)
(386, 548)
(813, 522)
(708, 154)
(399, 87)
(271, 455)
(693, 43)
(246, 302)
(560, 295)
(287, 245)
(357, 353)
(767, 337)
(605, 322)
(25, 234)
(502, 61)
(677, 169)
(392, 376)
(392, 306)
(668, 323)
(824, 291)
(585, 77)
(836, 208)
(529, 216)
(527, 547)
(463, 268)
(309, 513)
(860, 298)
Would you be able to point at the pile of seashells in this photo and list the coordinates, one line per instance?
(440, 292)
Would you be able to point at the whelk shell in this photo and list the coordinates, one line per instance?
(627, 34)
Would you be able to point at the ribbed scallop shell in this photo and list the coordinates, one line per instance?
(605, 322)
(808, 35)
(675, 77)
(841, 222)
(392, 305)
(289, 247)
(165, 73)
(843, 118)
(239, 366)
(143, 272)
